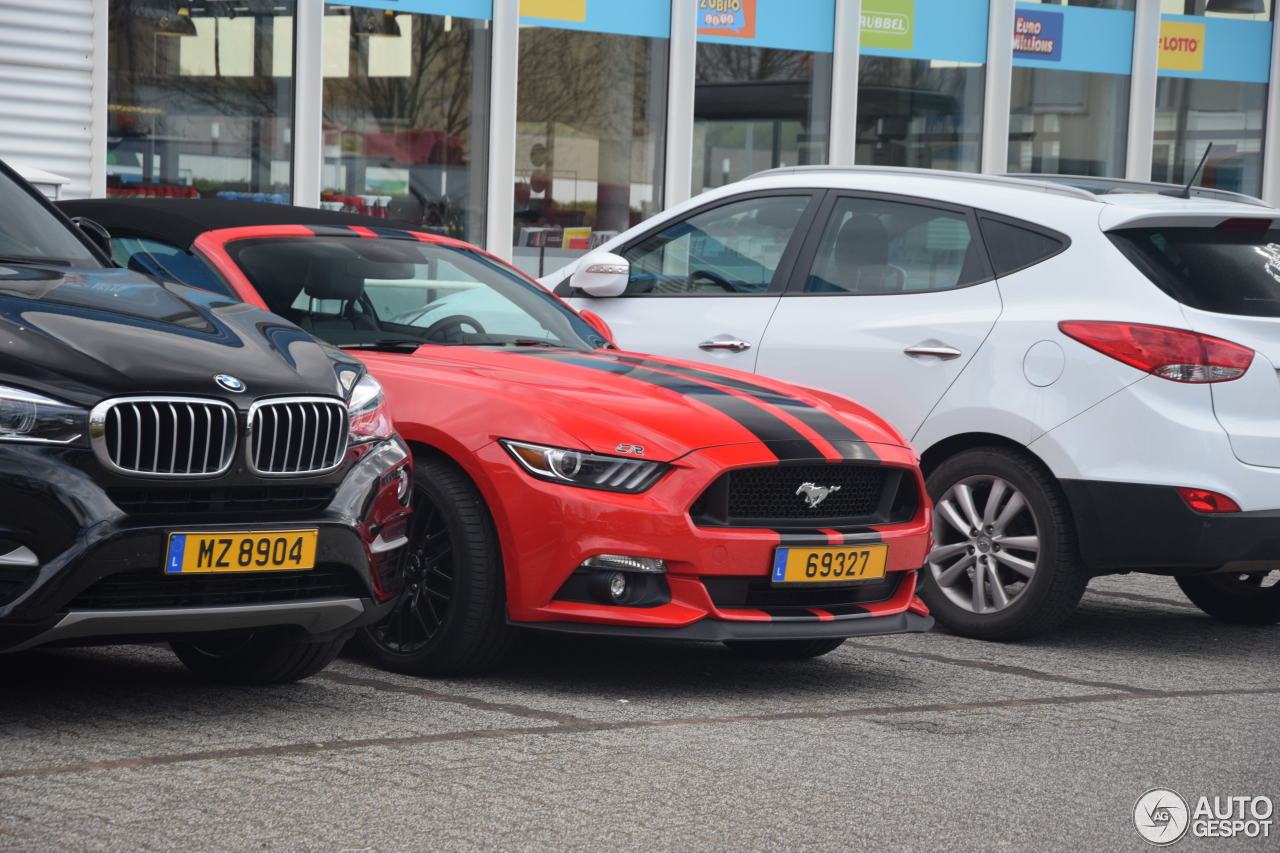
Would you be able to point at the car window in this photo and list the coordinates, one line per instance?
(874, 245)
(732, 249)
(1233, 268)
(357, 292)
(29, 232)
(165, 261)
(1015, 247)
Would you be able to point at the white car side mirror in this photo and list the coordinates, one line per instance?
(602, 274)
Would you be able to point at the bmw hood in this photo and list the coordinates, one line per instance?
(608, 399)
(85, 335)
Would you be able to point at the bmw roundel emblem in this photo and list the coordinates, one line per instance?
(229, 382)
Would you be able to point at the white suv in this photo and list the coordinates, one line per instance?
(1089, 374)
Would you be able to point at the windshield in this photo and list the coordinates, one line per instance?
(29, 233)
(1231, 269)
(385, 293)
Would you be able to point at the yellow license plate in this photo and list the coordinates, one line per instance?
(836, 564)
(271, 551)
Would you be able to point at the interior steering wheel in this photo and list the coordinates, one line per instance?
(714, 278)
(450, 324)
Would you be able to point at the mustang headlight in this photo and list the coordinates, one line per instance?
(588, 470)
(367, 411)
(25, 416)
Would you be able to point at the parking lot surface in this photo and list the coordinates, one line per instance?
(925, 742)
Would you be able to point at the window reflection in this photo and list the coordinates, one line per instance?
(406, 118)
(1068, 122)
(200, 99)
(758, 108)
(919, 112)
(1192, 113)
(590, 111)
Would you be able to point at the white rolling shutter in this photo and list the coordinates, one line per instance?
(50, 112)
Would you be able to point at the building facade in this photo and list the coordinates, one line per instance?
(538, 128)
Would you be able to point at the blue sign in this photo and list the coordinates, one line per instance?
(649, 18)
(1037, 35)
(1233, 50)
(1099, 41)
(785, 24)
(478, 9)
(946, 30)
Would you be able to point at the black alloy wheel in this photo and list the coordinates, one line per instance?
(451, 617)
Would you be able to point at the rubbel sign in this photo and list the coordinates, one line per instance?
(1181, 46)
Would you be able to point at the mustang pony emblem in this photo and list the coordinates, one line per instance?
(815, 494)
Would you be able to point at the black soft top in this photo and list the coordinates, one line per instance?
(178, 221)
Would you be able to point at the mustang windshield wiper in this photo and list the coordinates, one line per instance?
(534, 342)
(387, 343)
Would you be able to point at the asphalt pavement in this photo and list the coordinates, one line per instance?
(918, 742)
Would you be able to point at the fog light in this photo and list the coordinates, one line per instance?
(617, 586)
(622, 563)
(402, 485)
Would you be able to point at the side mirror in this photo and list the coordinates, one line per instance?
(602, 274)
(597, 322)
(97, 234)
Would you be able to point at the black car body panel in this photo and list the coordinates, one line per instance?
(84, 542)
(83, 335)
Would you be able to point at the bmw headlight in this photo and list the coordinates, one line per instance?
(587, 470)
(30, 417)
(367, 411)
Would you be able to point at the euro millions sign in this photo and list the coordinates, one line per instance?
(732, 18)
(1037, 35)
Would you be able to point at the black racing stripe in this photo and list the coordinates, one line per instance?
(816, 419)
(784, 441)
(331, 230)
(394, 233)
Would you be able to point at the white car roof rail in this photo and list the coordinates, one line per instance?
(1034, 183)
(1105, 186)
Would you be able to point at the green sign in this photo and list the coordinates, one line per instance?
(888, 24)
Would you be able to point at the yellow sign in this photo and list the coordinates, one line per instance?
(1181, 46)
(558, 10)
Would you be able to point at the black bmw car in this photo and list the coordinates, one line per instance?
(176, 466)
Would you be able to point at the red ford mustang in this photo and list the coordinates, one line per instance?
(562, 484)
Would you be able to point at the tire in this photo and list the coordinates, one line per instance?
(784, 649)
(1027, 547)
(451, 619)
(1248, 599)
(273, 656)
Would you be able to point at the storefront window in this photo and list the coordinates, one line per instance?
(406, 104)
(763, 96)
(200, 99)
(1214, 64)
(922, 69)
(591, 115)
(1070, 92)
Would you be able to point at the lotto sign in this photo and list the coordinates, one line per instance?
(1037, 35)
(732, 18)
(555, 10)
(1181, 46)
(888, 24)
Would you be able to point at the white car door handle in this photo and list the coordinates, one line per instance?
(942, 351)
(735, 346)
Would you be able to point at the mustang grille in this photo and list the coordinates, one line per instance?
(781, 496)
(297, 435)
(165, 436)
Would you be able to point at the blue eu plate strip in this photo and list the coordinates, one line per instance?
(173, 563)
(780, 563)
